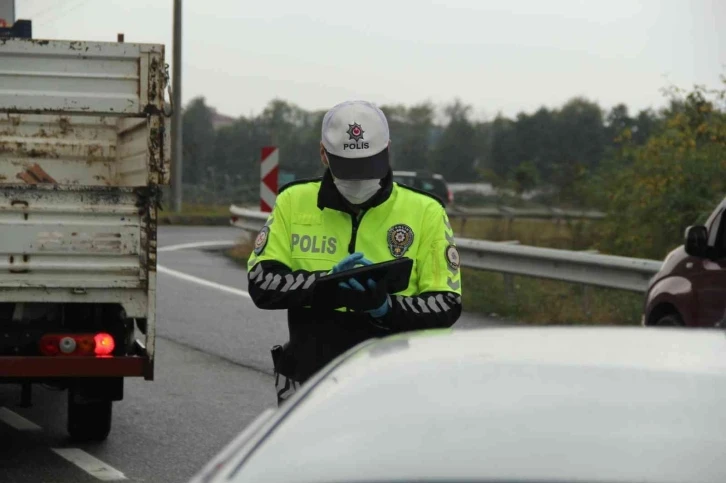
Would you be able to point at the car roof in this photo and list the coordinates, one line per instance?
(510, 404)
(414, 174)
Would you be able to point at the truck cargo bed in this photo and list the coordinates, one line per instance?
(57, 243)
(84, 149)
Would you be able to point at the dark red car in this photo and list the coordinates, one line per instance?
(690, 288)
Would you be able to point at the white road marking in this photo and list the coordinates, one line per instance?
(18, 422)
(185, 246)
(201, 281)
(197, 280)
(89, 464)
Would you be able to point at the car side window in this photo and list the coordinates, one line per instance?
(427, 186)
(720, 242)
(714, 230)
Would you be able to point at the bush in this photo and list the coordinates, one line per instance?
(672, 181)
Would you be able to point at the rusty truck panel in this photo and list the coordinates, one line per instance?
(82, 150)
(71, 238)
(81, 77)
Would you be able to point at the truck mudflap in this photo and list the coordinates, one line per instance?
(65, 366)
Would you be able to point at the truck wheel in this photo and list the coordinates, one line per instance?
(88, 421)
(670, 320)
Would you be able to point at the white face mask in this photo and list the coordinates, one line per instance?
(357, 191)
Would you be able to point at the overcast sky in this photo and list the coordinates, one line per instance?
(501, 55)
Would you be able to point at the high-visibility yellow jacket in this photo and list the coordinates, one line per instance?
(312, 228)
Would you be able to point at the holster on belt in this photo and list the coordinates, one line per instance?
(282, 361)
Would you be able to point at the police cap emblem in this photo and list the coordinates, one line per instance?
(355, 131)
(400, 239)
(261, 240)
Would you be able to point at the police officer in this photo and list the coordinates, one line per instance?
(355, 215)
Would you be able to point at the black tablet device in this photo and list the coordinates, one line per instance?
(327, 292)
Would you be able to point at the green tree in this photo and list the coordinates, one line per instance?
(526, 177)
(198, 141)
(397, 125)
(674, 180)
(308, 164)
(618, 121)
(580, 131)
(645, 124)
(291, 129)
(455, 154)
(237, 153)
(413, 144)
(580, 136)
(541, 136)
(504, 146)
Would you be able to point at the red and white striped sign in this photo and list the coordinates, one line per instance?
(268, 177)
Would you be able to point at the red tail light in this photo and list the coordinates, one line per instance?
(101, 344)
(49, 345)
(104, 344)
(451, 196)
(85, 346)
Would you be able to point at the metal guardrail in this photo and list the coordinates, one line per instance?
(510, 258)
(585, 268)
(507, 212)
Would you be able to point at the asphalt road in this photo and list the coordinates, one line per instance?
(213, 376)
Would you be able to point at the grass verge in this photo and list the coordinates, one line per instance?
(195, 215)
(540, 301)
(566, 235)
(545, 302)
(197, 210)
(241, 252)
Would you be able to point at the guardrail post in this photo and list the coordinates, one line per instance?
(509, 289)
(586, 306)
(587, 292)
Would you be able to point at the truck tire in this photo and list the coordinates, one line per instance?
(88, 421)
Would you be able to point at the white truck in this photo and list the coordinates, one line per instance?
(84, 149)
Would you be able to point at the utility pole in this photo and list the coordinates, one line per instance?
(176, 121)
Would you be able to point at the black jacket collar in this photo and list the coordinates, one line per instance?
(329, 197)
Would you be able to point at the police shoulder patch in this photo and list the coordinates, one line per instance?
(400, 239)
(452, 257)
(261, 240)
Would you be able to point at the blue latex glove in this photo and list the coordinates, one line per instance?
(377, 313)
(351, 261)
(381, 311)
